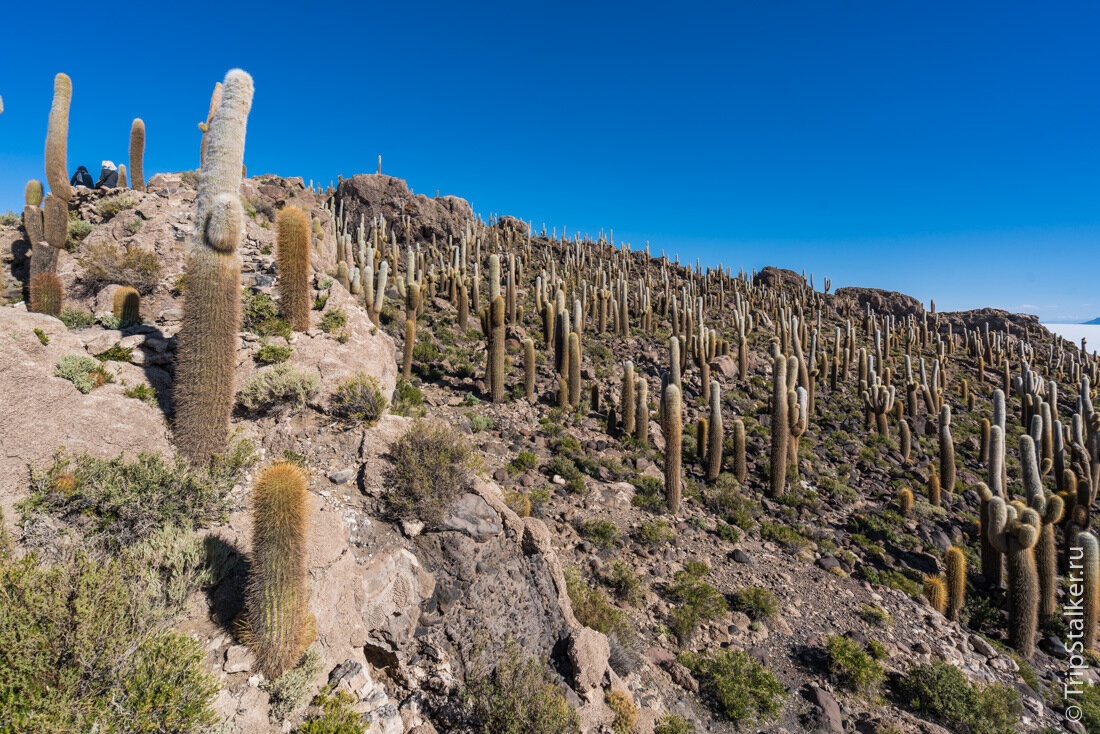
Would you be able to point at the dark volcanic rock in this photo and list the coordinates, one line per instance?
(373, 194)
(883, 302)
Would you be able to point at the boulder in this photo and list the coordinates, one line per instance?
(368, 195)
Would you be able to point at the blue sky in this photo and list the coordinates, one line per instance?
(947, 150)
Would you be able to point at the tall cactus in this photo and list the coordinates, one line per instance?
(529, 370)
(956, 582)
(1048, 508)
(740, 470)
(1085, 555)
(641, 414)
(412, 304)
(574, 369)
(496, 348)
(137, 154)
(673, 428)
(292, 256)
(212, 304)
(716, 435)
(277, 623)
(947, 451)
(57, 138)
(627, 398)
(1015, 534)
(780, 427)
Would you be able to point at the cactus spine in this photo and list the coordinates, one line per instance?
(137, 155)
(278, 625)
(716, 434)
(212, 303)
(673, 428)
(293, 253)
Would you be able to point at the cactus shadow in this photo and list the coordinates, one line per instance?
(229, 568)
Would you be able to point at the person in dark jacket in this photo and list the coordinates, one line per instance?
(108, 176)
(81, 178)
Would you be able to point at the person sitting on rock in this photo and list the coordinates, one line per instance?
(81, 178)
(108, 176)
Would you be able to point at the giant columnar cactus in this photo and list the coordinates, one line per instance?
(496, 348)
(716, 434)
(215, 102)
(32, 214)
(627, 399)
(934, 489)
(956, 582)
(780, 427)
(1087, 559)
(137, 155)
(798, 401)
(878, 399)
(412, 304)
(947, 451)
(674, 360)
(574, 369)
(293, 254)
(740, 470)
(641, 415)
(529, 370)
(212, 302)
(126, 305)
(673, 428)
(906, 437)
(57, 137)
(277, 623)
(983, 440)
(1048, 508)
(46, 294)
(1015, 534)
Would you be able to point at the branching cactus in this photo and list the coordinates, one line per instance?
(1015, 534)
(673, 428)
(277, 623)
(1048, 508)
(879, 400)
(293, 255)
(212, 302)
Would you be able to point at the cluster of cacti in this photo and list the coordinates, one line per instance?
(207, 351)
(55, 208)
(276, 623)
(1014, 532)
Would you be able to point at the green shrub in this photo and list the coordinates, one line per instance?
(755, 601)
(892, 578)
(725, 500)
(479, 423)
(112, 205)
(593, 609)
(143, 392)
(603, 533)
(42, 338)
(623, 582)
(10, 219)
(334, 320)
(518, 697)
(260, 315)
(655, 532)
(122, 502)
(698, 601)
(83, 651)
(674, 724)
(729, 533)
(359, 398)
(649, 493)
(288, 692)
(737, 686)
(337, 715)
(425, 352)
(431, 466)
(626, 713)
(272, 353)
(409, 400)
(524, 461)
(281, 385)
(850, 665)
(78, 230)
(116, 353)
(941, 690)
(74, 318)
(106, 263)
(84, 372)
(783, 535)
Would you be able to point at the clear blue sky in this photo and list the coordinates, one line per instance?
(948, 150)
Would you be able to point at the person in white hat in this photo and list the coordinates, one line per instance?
(108, 176)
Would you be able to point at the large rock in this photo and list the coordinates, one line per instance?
(883, 302)
(369, 195)
(40, 413)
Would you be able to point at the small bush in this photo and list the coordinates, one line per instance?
(334, 320)
(117, 353)
(288, 691)
(649, 493)
(272, 353)
(409, 400)
(281, 385)
(623, 582)
(674, 724)
(260, 315)
(698, 601)
(655, 532)
(519, 697)
(737, 686)
(626, 714)
(940, 689)
(74, 318)
(359, 398)
(593, 609)
(431, 466)
(850, 665)
(783, 535)
(479, 423)
(106, 263)
(729, 533)
(143, 392)
(41, 336)
(78, 230)
(755, 601)
(603, 533)
(10, 219)
(337, 715)
(112, 205)
(84, 372)
(524, 461)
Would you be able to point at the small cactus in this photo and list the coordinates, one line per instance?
(277, 624)
(905, 501)
(956, 582)
(936, 593)
(933, 489)
(126, 306)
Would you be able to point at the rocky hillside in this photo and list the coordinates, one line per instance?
(520, 564)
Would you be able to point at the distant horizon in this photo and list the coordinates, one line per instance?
(946, 152)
